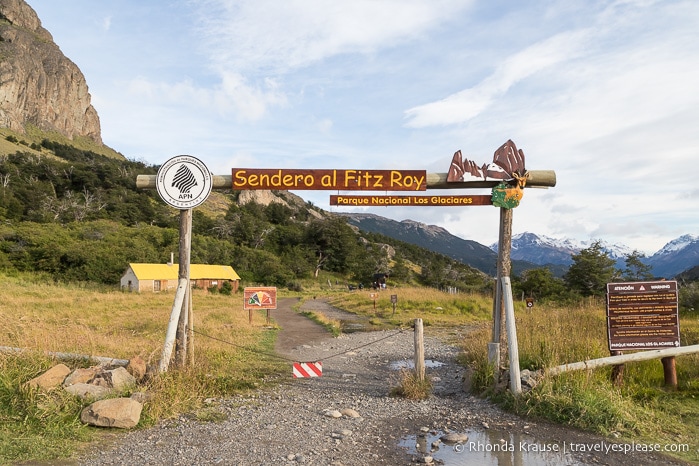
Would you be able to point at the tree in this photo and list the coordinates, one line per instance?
(334, 244)
(591, 270)
(540, 283)
(635, 269)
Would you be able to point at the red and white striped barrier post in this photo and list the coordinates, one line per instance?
(308, 369)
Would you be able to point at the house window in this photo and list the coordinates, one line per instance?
(156, 285)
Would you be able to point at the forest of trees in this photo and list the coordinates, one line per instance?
(78, 216)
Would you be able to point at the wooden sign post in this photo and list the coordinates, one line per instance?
(259, 297)
(183, 182)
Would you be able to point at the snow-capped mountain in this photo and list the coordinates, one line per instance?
(542, 250)
(676, 256)
(529, 250)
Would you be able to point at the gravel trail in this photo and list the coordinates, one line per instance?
(294, 422)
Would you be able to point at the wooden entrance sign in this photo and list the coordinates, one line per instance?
(506, 175)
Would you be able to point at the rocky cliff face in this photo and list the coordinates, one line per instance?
(38, 84)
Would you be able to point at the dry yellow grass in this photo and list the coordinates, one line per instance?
(433, 306)
(90, 321)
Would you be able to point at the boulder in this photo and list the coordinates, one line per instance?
(123, 413)
(82, 375)
(121, 379)
(50, 379)
(137, 368)
(87, 391)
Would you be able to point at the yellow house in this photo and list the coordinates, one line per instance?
(163, 277)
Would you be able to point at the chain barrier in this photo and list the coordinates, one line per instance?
(284, 358)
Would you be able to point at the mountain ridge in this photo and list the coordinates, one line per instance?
(529, 250)
(672, 259)
(434, 238)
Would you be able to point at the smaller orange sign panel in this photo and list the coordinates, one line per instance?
(451, 201)
(260, 297)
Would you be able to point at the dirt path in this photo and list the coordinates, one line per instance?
(296, 329)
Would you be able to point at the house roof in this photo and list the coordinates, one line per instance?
(196, 271)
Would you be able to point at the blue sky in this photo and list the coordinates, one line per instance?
(603, 92)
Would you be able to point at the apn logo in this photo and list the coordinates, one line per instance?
(184, 179)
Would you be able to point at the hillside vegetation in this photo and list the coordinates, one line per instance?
(77, 216)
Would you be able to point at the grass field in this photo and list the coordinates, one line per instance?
(640, 410)
(40, 316)
(232, 356)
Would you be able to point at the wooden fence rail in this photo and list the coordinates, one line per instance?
(621, 359)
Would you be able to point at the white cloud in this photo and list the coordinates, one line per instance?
(250, 42)
(252, 35)
(469, 103)
(232, 96)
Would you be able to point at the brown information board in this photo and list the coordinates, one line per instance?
(642, 315)
(451, 201)
(351, 180)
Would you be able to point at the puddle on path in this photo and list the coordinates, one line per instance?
(410, 364)
(489, 447)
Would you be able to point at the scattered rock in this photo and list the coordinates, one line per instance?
(454, 437)
(137, 368)
(102, 379)
(50, 379)
(141, 397)
(88, 391)
(121, 379)
(122, 413)
(529, 378)
(349, 412)
(82, 375)
(332, 413)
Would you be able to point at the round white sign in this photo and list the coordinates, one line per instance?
(184, 182)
